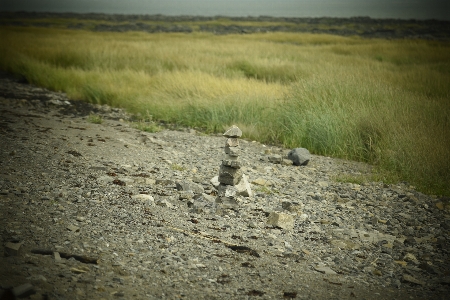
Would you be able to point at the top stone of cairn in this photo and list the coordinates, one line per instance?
(233, 132)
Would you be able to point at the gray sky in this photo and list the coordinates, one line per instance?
(405, 9)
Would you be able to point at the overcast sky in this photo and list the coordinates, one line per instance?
(418, 9)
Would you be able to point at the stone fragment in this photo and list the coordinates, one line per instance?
(299, 156)
(262, 181)
(324, 270)
(230, 176)
(12, 249)
(56, 256)
(232, 162)
(77, 271)
(24, 290)
(73, 228)
(184, 185)
(163, 181)
(410, 258)
(293, 207)
(286, 162)
(80, 219)
(281, 220)
(401, 263)
(127, 180)
(215, 181)
(145, 198)
(36, 279)
(227, 191)
(186, 195)
(377, 272)
(164, 203)
(232, 151)
(244, 188)
(233, 132)
(231, 143)
(275, 158)
(411, 279)
(207, 198)
(303, 217)
(227, 202)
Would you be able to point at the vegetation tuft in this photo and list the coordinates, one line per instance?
(385, 102)
(96, 119)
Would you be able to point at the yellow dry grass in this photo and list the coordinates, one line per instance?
(384, 102)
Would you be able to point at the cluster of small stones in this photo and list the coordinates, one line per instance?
(145, 209)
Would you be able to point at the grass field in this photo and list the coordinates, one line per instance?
(379, 101)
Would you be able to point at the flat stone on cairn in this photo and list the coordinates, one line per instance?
(233, 132)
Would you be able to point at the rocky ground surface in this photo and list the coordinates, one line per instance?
(104, 211)
(357, 26)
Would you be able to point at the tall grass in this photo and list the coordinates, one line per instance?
(383, 102)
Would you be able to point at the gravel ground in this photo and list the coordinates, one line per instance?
(104, 211)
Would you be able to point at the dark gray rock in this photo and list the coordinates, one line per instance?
(230, 176)
(299, 156)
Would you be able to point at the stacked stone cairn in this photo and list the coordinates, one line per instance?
(230, 172)
(233, 181)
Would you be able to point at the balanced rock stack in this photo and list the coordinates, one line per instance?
(230, 172)
(233, 181)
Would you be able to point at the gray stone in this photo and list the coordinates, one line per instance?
(145, 198)
(231, 143)
(229, 191)
(13, 249)
(325, 270)
(227, 202)
(36, 279)
(275, 158)
(189, 186)
(409, 257)
(232, 151)
(73, 228)
(230, 176)
(323, 183)
(233, 132)
(56, 256)
(286, 162)
(299, 156)
(411, 279)
(127, 180)
(208, 198)
(262, 181)
(244, 188)
(293, 207)
(80, 219)
(24, 290)
(281, 220)
(215, 181)
(164, 203)
(231, 162)
(163, 181)
(186, 195)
